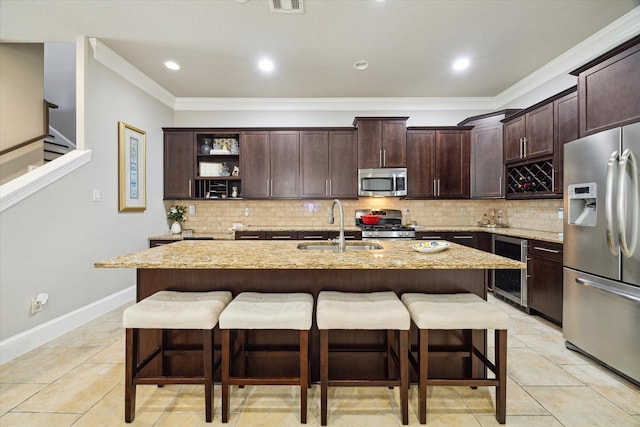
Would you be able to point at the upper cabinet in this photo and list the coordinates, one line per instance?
(269, 164)
(608, 89)
(382, 142)
(179, 155)
(487, 164)
(533, 146)
(438, 165)
(328, 164)
(529, 135)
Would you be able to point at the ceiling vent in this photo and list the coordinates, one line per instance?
(286, 6)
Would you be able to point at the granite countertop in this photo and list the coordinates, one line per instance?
(516, 232)
(268, 254)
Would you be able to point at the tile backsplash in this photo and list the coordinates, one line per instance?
(217, 216)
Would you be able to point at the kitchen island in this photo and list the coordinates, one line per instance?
(279, 266)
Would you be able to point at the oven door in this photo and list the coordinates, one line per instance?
(510, 284)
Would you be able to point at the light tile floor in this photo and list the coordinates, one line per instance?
(77, 380)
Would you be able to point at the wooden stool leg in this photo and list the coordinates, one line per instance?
(304, 374)
(473, 360)
(207, 359)
(423, 359)
(403, 355)
(131, 360)
(391, 334)
(501, 367)
(225, 361)
(242, 339)
(324, 374)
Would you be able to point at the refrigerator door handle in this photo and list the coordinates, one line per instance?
(606, 289)
(627, 157)
(608, 202)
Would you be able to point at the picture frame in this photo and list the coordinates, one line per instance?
(132, 168)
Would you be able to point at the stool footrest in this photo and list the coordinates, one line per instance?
(264, 381)
(488, 382)
(169, 380)
(363, 383)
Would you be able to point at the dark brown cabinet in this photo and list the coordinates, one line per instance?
(295, 235)
(487, 163)
(608, 89)
(544, 283)
(381, 142)
(179, 160)
(530, 135)
(328, 164)
(255, 164)
(439, 163)
(269, 164)
(565, 127)
(464, 238)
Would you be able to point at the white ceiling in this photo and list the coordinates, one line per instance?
(410, 44)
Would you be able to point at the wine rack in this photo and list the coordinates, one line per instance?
(530, 178)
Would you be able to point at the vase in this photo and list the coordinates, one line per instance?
(176, 228)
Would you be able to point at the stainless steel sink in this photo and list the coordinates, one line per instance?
(334, 246)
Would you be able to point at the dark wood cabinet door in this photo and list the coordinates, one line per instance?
(314, 164)
(343, 164)
(544, 285)
(452, 163)
(394, 144)
(566, 129)
(608, 90)
(369, 144)
(487, 165)
(514, 131)
(179, 160)
(539, 133)
(255, 164)
(463, 238)
(285, 164)
(420, 163)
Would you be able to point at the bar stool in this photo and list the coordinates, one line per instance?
(459, 311)
(364, 311)
(167, 310)
(262, 311)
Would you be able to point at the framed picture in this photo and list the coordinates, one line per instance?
(132, 168)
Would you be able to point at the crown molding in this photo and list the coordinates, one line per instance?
(604, 40)
(332, 104)
(120, 66)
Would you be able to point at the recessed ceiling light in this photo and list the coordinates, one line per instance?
(461, 64)
(266, 65)
(361, 65)
(172, 65)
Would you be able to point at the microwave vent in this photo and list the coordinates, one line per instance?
(286, 6)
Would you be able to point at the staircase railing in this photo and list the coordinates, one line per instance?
(47, 106)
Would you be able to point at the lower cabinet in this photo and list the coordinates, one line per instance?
(296, 235)
(461, 237)
(544, 283)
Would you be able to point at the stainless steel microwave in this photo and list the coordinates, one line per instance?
(382, 182)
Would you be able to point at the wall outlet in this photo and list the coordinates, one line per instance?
(36, 306)
(560, 213)
(192, 209)
(246, 211)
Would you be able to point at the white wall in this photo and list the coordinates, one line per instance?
(60, 86)
(50, 240)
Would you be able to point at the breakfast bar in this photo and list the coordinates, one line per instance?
(290, 266)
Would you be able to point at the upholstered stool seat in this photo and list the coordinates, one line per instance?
(459, 311)
(364, 311)
(266, 311)
(166, 310)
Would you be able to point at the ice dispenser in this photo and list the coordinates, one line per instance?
(582, 204)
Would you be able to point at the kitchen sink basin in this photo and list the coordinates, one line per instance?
(351, 246)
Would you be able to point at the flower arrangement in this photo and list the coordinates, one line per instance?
(177, 213)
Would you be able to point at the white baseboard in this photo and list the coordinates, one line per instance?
(16, 345)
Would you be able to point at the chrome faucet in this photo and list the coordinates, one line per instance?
(341, 242)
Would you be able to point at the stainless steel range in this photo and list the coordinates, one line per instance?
(389, 225)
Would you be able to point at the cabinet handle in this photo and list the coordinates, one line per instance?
(438, 187)
(384, 157)
(380, 158)
(553, 180)
(189, 188)
(500, 186)
(553, 251)
(521, 145)
(309, 237)
(280, 237)
(463, 237)
(250, 237)
(434, 188)
(524, 147)
(431, 237)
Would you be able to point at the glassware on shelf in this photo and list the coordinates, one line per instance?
(206, 146)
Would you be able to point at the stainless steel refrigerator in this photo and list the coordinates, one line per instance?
(601, 301)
